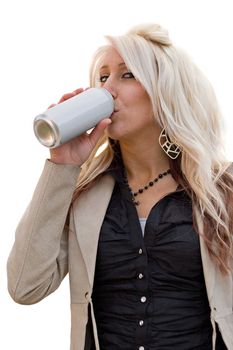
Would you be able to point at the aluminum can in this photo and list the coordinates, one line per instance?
(73, 117)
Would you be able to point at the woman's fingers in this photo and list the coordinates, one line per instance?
(78, 91)
(52, 105)
(67, 96)
(70, 94)
(98, 131)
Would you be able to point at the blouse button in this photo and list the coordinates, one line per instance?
(140, 276)
(141, 323)
(143, 299)
(140, 251)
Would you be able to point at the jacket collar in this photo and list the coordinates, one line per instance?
(209, 268)
(89, 212)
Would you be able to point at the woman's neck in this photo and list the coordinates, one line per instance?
(143, 161)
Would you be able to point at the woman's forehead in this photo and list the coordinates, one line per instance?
(111, 56)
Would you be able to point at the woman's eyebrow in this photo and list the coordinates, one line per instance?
(119, 65)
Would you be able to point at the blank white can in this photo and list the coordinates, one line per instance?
(73, 117)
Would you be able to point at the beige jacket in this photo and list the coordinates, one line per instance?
(44, 252)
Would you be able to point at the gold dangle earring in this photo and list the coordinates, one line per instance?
(171, 149)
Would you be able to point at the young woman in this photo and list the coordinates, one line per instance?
(146, 230)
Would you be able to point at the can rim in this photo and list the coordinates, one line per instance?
(39, 123)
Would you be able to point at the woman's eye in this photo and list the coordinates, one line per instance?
(128, 75)
(103, 78)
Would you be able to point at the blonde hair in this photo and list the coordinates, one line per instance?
(185, 105)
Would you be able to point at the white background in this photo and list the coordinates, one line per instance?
(46, 47)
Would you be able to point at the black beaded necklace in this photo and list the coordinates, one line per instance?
(141, 190)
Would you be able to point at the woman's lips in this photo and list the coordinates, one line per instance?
(114, 112)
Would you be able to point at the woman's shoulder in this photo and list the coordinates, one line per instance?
(101, 183)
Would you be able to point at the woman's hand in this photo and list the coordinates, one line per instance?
(77, 150)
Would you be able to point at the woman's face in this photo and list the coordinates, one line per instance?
(133, 115)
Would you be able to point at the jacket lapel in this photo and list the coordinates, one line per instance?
(209, 270)
(89, 212)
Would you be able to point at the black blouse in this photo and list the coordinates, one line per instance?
(149, 292)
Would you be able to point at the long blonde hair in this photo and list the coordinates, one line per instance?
(184, 105)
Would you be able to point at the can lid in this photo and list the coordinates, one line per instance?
(45, 132)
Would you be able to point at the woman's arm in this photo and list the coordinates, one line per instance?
(38, 260)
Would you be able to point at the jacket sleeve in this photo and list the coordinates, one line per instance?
(39, 258)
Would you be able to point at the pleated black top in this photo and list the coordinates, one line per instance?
(149, 292)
